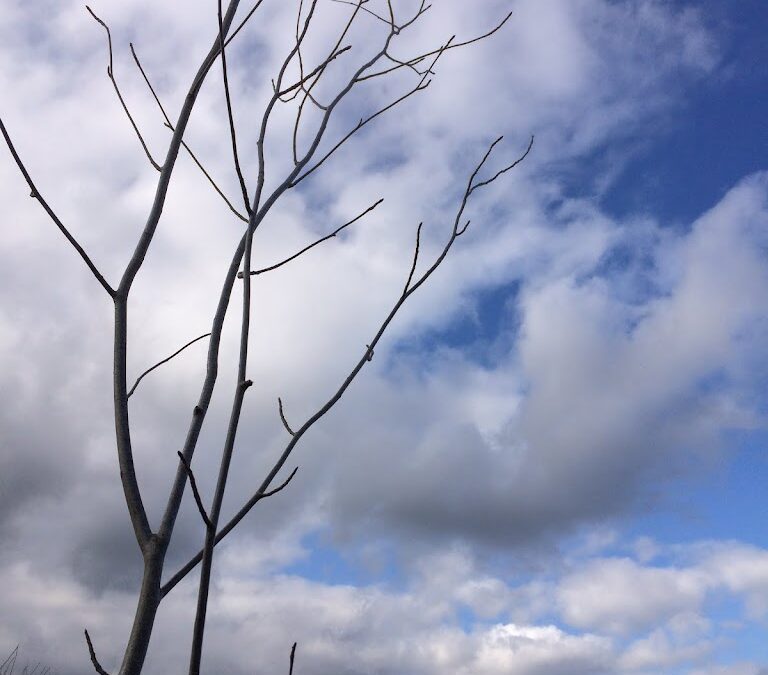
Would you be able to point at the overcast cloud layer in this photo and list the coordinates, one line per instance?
(460, 510)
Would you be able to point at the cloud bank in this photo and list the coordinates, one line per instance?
(563, 368)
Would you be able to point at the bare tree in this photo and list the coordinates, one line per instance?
(294, 89)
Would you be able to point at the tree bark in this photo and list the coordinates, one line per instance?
(146, 609)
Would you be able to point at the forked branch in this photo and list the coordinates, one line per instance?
(504, 170)
(422, 84)
(414, 60)
(176, 578)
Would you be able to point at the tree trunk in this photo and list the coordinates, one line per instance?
(144, 619)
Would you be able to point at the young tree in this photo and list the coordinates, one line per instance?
(294, 92)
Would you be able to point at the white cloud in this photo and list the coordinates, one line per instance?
(620, 596)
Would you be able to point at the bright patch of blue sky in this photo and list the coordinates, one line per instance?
(716, 135)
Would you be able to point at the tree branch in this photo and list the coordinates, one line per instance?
(36, 194)
(111, 75)
(423, 84)
(415, 258)
(504, 170)
(195, 492)
(418, 59)
(151, 545)
(282, 417)
(331, 402)
(198, 629)
(176, 578)
(168, 124)
(94, 660)
(10, 661)
(293, 655)
(160, 363)
(230, 116)
(365, 9)
(298, 85)
(243, 22)
(313, 244)
(308, 91)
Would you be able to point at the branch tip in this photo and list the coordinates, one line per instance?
(35, 194)
(282, 417)
(111, 76)
(92, 652)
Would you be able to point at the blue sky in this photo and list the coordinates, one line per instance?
(716, 136)
(556, 462)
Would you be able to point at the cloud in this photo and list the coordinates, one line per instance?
(623, 345)
(417, 628)
(605, 595)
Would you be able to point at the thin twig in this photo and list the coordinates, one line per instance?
(406, 65)
(299, 84)
(313, 244)
(160, 363)
(418, 59)
(393, 26)
(308, 90)
(282, 417)
(242, 23)
(415, 258)
(422, 84)
(365, 9)
(301, 78)
(195, 491)
(111, 75)
(36, 194)
(297, 50)
(505, 169)
(230, 116)
(169, 125)
(94, 660)
(293, 655)
(11, 657)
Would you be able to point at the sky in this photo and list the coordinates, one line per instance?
(555, 463)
